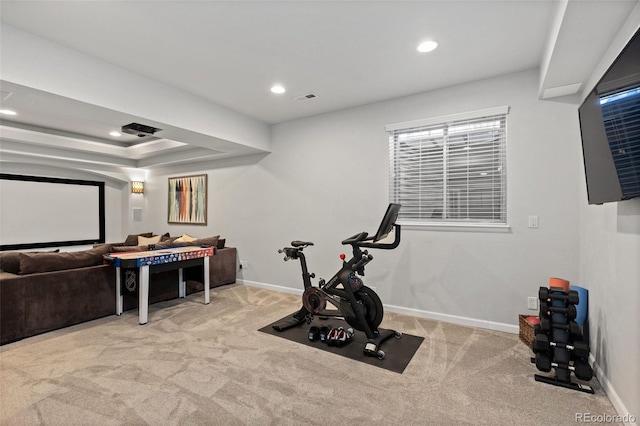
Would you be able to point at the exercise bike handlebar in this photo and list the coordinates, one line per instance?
(354, 239)
(361, 240)
(383, 246)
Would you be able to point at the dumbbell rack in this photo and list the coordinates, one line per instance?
(558, 342)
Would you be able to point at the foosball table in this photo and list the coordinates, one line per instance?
(145, 263)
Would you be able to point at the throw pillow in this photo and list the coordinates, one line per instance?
(185, 238)
(210, 241)
(144, 241)
(132, 240)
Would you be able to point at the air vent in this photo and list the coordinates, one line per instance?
(306, 97)
(139, 130)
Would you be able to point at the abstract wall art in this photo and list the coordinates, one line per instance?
(188, 200)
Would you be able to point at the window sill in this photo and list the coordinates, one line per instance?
(457, 227)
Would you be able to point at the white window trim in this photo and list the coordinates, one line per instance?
(465, 227)
(452, 226)
(448, 118)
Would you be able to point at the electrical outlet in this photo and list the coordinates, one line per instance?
(532, 302)
(533, 221)
(244, 264)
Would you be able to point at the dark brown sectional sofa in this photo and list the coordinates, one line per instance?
(45, 291)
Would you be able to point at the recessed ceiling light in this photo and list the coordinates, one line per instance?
(427, 46)
(7, 112)
(278, 89)
(115, 134)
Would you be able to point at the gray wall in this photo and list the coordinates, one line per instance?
(327, 178)
(610, 269)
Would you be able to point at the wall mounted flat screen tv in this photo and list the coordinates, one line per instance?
(610, 129)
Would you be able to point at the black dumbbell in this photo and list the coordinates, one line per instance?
(570, 310)
(542, 344)
(572, 327)
(581, 368)
(545, 294)
(543, 362)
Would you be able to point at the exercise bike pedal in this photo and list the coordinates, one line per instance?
(371, 349)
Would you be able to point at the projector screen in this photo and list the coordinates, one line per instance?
(38, 212)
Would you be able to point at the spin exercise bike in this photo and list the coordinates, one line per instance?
(359, 305)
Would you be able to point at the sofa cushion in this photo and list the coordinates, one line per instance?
(31, 263)
(124, 249)
(166, 243)
(10, 261)
(210, 241)
(132, 240)
(96, 245)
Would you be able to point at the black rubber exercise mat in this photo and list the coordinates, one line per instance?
(398, 351)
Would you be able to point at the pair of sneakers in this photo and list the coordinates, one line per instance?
(331, 336)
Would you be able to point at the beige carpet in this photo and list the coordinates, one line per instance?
(196, 364)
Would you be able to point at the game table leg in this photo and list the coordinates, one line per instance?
(119, 295)
(143, 295)
(206, 280)
(182, 286)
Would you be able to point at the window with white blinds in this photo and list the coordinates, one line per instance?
(450, 170)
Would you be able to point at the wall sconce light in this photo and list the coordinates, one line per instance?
(137, 187)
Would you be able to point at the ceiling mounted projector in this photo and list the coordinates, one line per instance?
(139, 130)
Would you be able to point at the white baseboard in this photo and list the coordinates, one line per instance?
(273, 287)
(454, 319)
(617, 403)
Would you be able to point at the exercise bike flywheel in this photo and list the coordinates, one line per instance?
(368, 301)
(314, 300)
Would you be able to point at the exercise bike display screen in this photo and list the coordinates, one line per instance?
(388, 221)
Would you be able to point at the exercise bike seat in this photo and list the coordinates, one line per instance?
(298, 243)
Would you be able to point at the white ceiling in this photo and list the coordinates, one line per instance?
(348, 53)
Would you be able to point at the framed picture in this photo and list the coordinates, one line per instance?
(188, 200)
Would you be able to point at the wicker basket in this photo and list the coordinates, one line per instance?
(527, 332)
